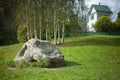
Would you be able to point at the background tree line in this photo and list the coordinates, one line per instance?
(8, 24)
(21, 20)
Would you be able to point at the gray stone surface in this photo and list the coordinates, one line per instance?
(39, 50)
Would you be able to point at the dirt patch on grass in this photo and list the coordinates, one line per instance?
(11, 68)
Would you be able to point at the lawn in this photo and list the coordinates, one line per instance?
(94, 57)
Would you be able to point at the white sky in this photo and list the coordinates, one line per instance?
(114, 5)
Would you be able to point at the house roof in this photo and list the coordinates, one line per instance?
(101, 8)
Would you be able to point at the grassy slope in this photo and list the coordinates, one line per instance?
(88, 58)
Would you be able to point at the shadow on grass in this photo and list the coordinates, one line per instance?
(64, 64)
(70, 63)
(107, 41)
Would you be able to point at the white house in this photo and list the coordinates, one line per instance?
(95, 12)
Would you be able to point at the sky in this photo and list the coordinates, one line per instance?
(114, 5)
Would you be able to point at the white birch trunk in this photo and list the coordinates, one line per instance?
(40, 18)
(47, 30)
(35, 30)
(27, 20)
(63, 32)
(40, 29)
(55, 29)
(58, 32)
(30, 27)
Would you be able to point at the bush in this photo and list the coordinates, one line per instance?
(22, 31)
(103, 24)
(117, 28)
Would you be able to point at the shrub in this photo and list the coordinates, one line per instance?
(22, 37)
(103, 24)
(117, 28)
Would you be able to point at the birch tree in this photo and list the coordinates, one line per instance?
(63, 32)
(27, 18)
(58, 26)
(64, 16)
(40, 19)
(47, 30)
(46, 19)
(35, 28)
(55, 28)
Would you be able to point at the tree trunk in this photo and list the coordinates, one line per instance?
(31, 33)
(63, 32)
(27, 20)
(47, 30)
(29, 23)
(40, 29)
(58, 31)
(46, 33)
(55, 28)
(35, 29)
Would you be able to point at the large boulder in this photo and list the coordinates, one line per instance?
(39, 50)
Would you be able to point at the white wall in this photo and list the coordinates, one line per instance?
(92, 21)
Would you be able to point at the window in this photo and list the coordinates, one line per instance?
(92, 24)
(92, 17)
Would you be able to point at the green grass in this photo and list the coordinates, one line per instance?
(87, 58)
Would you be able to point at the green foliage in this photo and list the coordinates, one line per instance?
(72, 27)
(39, 13)
(118, 16)
(103, 24)
(118, 23)
(115, 26)
(22, 33)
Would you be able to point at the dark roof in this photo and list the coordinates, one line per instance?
(101, 8)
